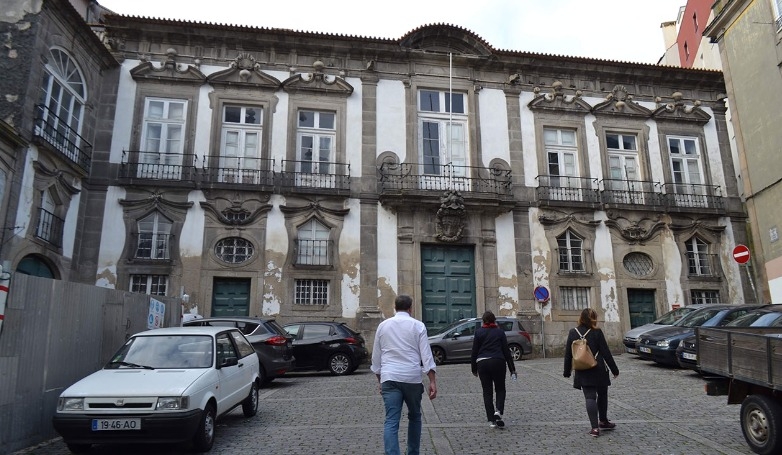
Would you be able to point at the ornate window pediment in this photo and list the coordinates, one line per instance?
(244, 71)
(620, 103)
(169, 70)
(318, 82)
(446, 38)
(677, 110)
(558, 100)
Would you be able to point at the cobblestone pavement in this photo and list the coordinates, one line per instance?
(657, 410)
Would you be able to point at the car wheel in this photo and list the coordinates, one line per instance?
(439, 356)
(340, 364)
(250, 404)
(205, 435)
(515, 351)
(79, 448)
(761, 423)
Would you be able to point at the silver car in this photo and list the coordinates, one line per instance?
(454, 342)
(631, 336)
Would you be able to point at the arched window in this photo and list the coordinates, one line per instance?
(35, 266)
(154, 232)
(61, 106)
(313, 244)
(571, 253)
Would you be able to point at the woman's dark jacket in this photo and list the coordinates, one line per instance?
(491, 343)
(596, 376)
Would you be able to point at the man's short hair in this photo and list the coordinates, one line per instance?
(403, 303)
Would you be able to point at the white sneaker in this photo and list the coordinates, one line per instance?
(492, 425)
(498, 419)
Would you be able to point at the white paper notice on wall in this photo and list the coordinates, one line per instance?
(157, 314)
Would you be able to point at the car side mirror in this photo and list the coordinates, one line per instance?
(228, 362)
(456, 335)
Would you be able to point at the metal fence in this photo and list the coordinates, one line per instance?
(54, 334)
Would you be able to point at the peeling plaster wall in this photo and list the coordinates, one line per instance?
(387, 270)
(123, 116)
(350, 256)
(276, 249)
(673, 268)
(604, 265)
(16, 10)
(191, 243)
(495, 142)
(654, 156)
(730, 267)
(540, 254)
(391, 133)
(713, 146)
(71, 220)
(279, 130)
(353, 117)
(24, 212)
(508, 292)
(112, 239)
(529, 146)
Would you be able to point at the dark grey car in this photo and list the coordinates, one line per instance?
(271, 342)
(454, 342)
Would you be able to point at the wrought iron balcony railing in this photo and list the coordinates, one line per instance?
(466, 179)
(560, 188)
(237, 170)
(323, 175)
(630, 192)
(313, 252)
(59, 135)
(152, 246)
(49, 228)
(688, 195)
(703, 265)
(157, 166)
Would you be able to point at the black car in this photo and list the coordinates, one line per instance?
(271, 342)
(323, 345)
(660, 344)
(765, 316)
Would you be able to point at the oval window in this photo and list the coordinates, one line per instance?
(638, 264)
(234, 250)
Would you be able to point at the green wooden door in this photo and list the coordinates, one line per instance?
(640, 302)
(231, 297)
(447, 284)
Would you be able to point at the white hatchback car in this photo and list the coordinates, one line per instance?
(162, 386)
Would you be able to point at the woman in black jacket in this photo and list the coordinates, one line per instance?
(490, 353)
(593, 382)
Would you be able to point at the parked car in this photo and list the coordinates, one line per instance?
(164, 385)
(660, 344)
(323, 345)
(765, 316)
(271, 342)
(667, 319)
(454, 342)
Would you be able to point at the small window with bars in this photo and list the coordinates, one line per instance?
(312, 292)
(704, 296)
(574, 298)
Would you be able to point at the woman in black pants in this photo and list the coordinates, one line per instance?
(490, 353)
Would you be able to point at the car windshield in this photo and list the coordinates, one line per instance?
(438, 331)
(746, 320)
(164, 351)
(697, 318)
(672, 316)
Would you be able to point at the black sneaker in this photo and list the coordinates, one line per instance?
(606, 425)
(498, 419)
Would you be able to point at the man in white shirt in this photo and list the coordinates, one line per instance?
(400, 357)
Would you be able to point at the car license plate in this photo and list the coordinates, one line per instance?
(115, 424)
(645, 349)
(689, 356)
(631, 350)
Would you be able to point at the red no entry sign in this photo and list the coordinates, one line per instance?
(741, 254)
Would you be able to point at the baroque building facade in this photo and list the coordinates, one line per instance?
(305, 175)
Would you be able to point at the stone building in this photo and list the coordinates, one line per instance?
(317, 176)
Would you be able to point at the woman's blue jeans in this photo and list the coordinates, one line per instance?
(394, 394)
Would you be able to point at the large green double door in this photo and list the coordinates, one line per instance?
(447, 284)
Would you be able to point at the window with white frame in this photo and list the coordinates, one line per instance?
(704, 296)
(316, 138)
(571, 253)
(61, 104)
(686, 170)
(442, 137)
(698, 259)
(154, 234)
(162, 138)
(240, 144)
(149, 284)
(562, 161)
(623, 169)
(574, 298)
(313, 244)
(311, 292)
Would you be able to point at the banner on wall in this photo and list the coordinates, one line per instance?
(157, 314)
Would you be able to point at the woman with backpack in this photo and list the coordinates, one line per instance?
(594, 381)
